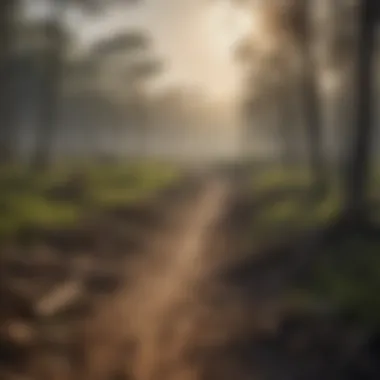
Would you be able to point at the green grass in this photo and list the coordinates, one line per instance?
(124, 184)
(277, 178)
(346, 275)
(290, 210)
(29, 199)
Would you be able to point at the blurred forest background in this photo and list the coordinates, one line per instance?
(113, 111)
(85, 77)
(97, 81)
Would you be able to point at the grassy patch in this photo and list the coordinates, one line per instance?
(61, 197)
(286, 203)
(278, 178)
(119, 185)
(346, 275)
(292, 215)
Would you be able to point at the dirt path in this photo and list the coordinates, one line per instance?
(158, 312)
(162, 294)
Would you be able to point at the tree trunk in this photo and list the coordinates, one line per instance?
(312, 109)
(143, 126)
(50, 93)
(246, 131)
(314, 126)
(286, 128)
(358, 167)
(7, 130)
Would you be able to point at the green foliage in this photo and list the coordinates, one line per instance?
(61, 197)
(346, 275)
(115, 185)
(287, 204)
(279, 178)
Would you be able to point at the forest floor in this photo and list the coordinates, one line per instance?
(212, 279)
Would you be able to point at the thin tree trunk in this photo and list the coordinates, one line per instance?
(96, 142)
(286, 128)
(247, 127)
(314, 127)
(358, 167)
(7, 130)
(310, 93)
(143, 126)
(50, 94)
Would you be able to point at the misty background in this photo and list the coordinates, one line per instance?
(169, 78)
(226, 149)
(186, 104)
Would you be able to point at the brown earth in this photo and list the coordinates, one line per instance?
(168, 290)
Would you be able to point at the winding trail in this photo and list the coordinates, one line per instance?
(158, 312)
(175, 283)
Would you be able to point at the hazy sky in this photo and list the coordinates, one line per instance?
(193, 37)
